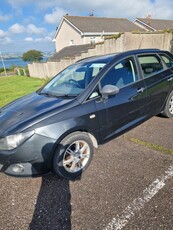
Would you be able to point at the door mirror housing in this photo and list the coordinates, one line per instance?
(109, 90)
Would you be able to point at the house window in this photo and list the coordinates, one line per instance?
(71, 42)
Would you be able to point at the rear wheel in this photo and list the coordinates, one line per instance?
(73, 155)
(168, 110)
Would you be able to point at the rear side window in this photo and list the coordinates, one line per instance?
(150, 64)
(167, 60)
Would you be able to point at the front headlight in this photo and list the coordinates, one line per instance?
(13, 141)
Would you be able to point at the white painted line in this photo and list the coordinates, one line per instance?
(119, 222)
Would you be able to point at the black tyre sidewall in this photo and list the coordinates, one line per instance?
(59, 155)
(166, 112)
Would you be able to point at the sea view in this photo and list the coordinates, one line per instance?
(14, 62)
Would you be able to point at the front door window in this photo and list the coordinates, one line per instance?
(121, 74)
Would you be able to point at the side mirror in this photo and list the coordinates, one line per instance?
(109, 90)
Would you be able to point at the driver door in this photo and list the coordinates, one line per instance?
(120, 112)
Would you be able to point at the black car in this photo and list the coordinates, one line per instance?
(87, 104)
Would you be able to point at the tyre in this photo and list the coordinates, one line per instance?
(73, 155)
(168, 110)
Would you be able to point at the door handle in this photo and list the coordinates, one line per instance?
(141, 90)
(170, 79)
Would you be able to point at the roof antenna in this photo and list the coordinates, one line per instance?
(91, 14)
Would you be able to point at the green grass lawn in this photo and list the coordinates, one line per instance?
(13, 87)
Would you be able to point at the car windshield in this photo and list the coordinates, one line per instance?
(73, 80)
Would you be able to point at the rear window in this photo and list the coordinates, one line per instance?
(150, 64)
(167, 60)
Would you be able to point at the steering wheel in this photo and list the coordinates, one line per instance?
(74, 82)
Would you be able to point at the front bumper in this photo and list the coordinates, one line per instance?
(32, 158)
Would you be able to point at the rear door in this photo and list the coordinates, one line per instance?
(157, 79)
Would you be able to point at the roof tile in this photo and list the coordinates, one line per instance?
(158, 24)
(99, 24)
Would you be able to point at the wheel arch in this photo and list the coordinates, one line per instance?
(91, 136)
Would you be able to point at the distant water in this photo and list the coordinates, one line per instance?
(15, 62)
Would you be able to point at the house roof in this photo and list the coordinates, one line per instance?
(99, 25)
(156, 24)
(70, 51)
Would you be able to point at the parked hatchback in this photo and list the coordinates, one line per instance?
(87, 104)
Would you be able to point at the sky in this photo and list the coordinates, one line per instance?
(31, 24)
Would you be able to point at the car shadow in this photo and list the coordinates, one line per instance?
(53, 208)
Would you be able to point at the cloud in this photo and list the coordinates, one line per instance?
(32, 29)
(45, 39)
(17, 29)
(18, 3)
(4, 18)
(162, 9)
(4, 38)
(55, 16)
(2, 33)
(38, 39)
(124, 9)
(41, 4)
(112, 8)
(5, 41)
(29, 39)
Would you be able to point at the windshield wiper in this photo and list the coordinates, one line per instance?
(66, 95)
(48, 94)
(59, 95)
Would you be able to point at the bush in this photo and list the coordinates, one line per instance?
(1, 70)
(27, 72)
(21, 72)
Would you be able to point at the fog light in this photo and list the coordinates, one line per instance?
(18, 168)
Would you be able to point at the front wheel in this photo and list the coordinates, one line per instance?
(73, 155)
(168, 110)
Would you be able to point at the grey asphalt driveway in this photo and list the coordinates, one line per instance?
(127, 186)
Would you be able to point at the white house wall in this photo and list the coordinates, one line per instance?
(65, 35)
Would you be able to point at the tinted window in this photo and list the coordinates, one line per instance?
(123, 73)
(150, 64)
(167, 60)
(95, 93)
(73, 80)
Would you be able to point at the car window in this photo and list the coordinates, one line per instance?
(167, 60)
(150, 64)
(95, 93)
(121, 74)
(73, 80)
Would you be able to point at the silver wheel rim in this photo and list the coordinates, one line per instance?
(76, 156)
(171, 105)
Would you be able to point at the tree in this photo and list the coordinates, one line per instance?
(32, 55)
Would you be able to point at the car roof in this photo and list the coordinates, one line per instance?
(100, 58)
(108, 57)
